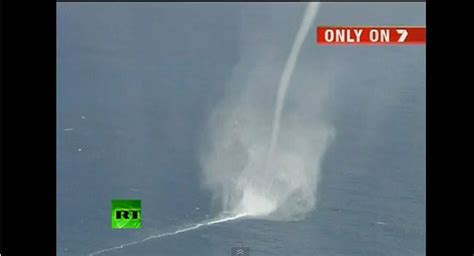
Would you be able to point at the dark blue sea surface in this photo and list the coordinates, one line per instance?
(136, 84)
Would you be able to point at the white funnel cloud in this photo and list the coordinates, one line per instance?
(255, 160)
(308, 19)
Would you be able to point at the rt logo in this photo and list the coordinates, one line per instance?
(126, 214)
(240, 251)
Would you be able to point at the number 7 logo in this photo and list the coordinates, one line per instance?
(403, 35)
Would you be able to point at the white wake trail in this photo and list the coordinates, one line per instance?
(193, 227)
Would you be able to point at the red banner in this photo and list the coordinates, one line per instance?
(348, 35)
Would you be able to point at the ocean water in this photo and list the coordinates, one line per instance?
(137, 84)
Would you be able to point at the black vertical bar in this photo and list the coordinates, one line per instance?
(28, 128)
